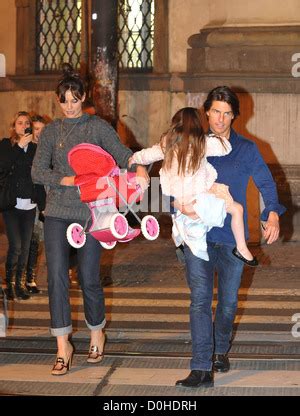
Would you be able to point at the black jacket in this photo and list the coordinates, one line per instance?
(21, 162)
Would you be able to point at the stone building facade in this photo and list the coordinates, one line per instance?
(253, 47)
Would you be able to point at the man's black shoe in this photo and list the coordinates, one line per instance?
(221, 363)
(197, 378)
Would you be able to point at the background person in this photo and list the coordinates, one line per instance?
(38, 123)
(18, 152)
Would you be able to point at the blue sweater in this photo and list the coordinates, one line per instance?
(234, 170)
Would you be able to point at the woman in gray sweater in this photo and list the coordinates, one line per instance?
(64, 207)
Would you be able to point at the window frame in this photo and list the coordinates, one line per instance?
(26, 41)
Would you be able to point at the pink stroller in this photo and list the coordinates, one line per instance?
(105, 188)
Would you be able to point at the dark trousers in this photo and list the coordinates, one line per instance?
(19, 225)
(32, 257)
(206, 337)
(57, 254)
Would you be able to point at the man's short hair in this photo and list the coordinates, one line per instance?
(37, 117)
(40, 118)
(226, 95)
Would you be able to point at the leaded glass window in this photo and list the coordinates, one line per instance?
(58, 34)
(136, 34)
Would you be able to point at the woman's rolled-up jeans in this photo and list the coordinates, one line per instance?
(57, 255)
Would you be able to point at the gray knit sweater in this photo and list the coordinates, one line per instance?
(50, 164)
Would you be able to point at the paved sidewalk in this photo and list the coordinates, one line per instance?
(151, 269)
(153, 264)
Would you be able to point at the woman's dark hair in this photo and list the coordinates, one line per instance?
(70, 81)
(226, 95)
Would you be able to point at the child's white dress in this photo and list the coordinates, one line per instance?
(211, 198)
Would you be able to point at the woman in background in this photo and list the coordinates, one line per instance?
(16, 155)
(38, 122)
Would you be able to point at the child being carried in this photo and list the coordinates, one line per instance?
(191, 180)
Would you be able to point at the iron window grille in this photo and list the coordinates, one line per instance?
(136, 34)
(58, 34)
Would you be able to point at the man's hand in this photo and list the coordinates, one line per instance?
(271, 228)
(142, 177)
(187, 209)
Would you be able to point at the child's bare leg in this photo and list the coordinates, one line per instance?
(237, 226)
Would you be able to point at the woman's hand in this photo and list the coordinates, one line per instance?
(271, 228)
(25, 140)
(68, 181)
(142, 177)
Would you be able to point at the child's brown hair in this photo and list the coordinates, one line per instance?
(185, 140)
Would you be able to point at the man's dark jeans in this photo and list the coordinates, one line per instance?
(200, 278)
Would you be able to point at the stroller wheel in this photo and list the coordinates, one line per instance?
(108, 246)
(150, 227)
(75, 235)
(118, 225)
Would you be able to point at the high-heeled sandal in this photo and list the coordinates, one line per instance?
(94, 355)
(60, 368)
